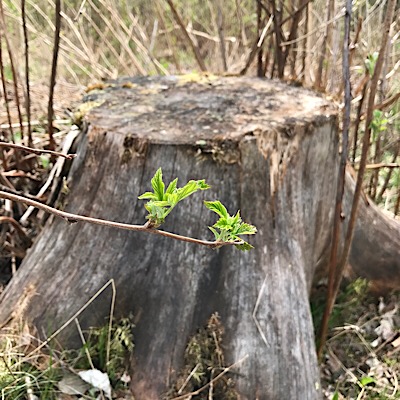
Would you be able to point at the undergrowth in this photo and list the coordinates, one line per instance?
(203, 362)
(30, 372)
(362, 358)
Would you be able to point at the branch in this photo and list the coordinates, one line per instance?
(37, 151)
(97, 221)
(50, 110)
(337, 224)
(189, 40)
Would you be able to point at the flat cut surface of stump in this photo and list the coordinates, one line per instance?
(180, 110)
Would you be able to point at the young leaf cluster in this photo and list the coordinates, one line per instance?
(162, 202)
(228, 228)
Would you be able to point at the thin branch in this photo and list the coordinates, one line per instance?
(220, 28)
(382, 165)
(17, 227)
(97, 221)
(330, 300)
(8, 189)
(179, 21)
(212, 381)
(12, 65)
(386, 103)
(388, 175)
(37, 151)
(56, 47)
(27, 84)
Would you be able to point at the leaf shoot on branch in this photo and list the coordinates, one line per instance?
(228, 228)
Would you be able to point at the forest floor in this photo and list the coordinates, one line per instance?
(362, 356)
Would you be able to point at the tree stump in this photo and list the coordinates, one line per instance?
(268, 149)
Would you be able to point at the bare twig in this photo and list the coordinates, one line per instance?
(8, 189)
(257, 44)
(212, 381)
(358, 120)
(330, 4)
(13, 69)
(260, 42)
(37, 151)
(6, 103)
(220, 28)
(188, 378)
(382, 165)
(340, 184)
(179, 21)
(27, 83)
(142, 228)
(386, 103)
(17, 227)
(388, 175)
(56, 47)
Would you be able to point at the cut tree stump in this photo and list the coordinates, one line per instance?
(268, 149)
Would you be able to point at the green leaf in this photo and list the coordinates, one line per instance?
(147, 195)
(203, 185)
(215, 232)
(171, 198)
(158, 185)
(190, 188)
(163, 203)
(244, 246)
(364, 381)
(335, 396)
(246, 229)
(222, 223)
(172, 186)
(218, 208)
(45, 161)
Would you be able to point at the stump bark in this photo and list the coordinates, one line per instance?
(266, 148)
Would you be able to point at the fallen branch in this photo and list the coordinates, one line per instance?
(97, 221)
(36, 151)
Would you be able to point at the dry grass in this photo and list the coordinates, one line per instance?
(104, 39)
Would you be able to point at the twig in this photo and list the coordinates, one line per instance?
(97, 221)
(37, 151)
(110, 322)
(80, 311)
(388, 175)
(13, 69)
(330, 300)
(17, 227)
(386, 103)
(220, 28)
(382, 165)
(78, 326)
(257, 44)
(330, 4)
(6, 103)
(81, 7)
(188, 378)
(56, 47)
(179, 21)
(358, 120)
(212, 381)
(27, 84)
(35, 123)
